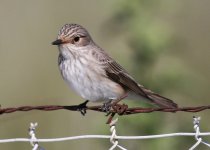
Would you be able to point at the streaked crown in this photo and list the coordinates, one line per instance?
(73, 34)
(69, 30)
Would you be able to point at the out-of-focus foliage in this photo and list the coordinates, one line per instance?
(148, 36)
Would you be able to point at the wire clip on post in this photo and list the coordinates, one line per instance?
(33, 139)
(113, 139)
(196, 122)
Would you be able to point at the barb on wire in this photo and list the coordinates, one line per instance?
(196, 122)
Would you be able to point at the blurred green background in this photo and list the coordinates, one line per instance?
(164, 44)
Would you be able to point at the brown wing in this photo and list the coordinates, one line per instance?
(119, 75)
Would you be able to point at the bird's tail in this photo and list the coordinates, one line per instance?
(162, 101)
(159, 100)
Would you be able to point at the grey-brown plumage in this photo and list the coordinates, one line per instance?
(93, 74)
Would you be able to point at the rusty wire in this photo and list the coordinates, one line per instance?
(120, 109)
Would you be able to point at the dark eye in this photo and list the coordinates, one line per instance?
(76, 39)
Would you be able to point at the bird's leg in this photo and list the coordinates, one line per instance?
(114, 104)
(119, 99)
(81, 107)
(119, 108)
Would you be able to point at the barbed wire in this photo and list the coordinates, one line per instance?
(113, 137)
(116, 109)
(120, 109)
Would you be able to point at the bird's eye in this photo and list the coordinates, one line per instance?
(76, 39)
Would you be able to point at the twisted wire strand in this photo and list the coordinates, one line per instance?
(127, 111)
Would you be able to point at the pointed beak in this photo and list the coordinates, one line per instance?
(57, 42)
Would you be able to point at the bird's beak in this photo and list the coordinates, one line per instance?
(57, 42)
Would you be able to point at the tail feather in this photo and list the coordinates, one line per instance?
(159, 100)
(162, 101)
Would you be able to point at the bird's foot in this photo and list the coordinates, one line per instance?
(106, 107)
(117, 108)
(120, 109)
(81, 107)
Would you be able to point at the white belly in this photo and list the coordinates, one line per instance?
(89, 82)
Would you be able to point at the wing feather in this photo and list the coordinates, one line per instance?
(119, 75)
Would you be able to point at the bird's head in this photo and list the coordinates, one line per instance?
(73, 35)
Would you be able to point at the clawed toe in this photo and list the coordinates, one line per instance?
(106, 107)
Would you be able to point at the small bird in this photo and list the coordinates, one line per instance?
(93, 74)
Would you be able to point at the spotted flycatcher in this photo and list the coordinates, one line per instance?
(93, 74)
